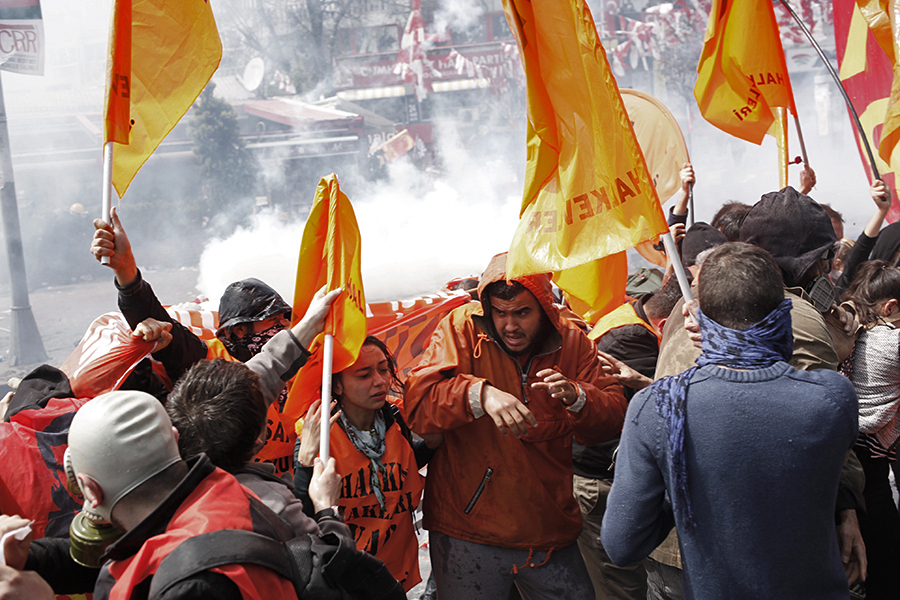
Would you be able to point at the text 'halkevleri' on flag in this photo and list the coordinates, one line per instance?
(330, 257)
(161, 56)
(588, 193)
(742, 72)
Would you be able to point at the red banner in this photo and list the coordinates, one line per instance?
(867, 74)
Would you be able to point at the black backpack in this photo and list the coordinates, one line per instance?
(321, 567)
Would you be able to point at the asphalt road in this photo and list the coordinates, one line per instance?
(63, 313)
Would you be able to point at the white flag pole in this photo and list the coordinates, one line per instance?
(672, 253)
(325, 412)
(106, 205)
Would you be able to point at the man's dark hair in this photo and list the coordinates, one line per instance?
(218, 408)
(660, 304)
(739, 285)
(502, 290)
(729, 218)
(875, 282)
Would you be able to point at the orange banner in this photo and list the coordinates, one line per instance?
(406, 326)
(329, 256)
(161, 56)
(588, 193)
(742, 72)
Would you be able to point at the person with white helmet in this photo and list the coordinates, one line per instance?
(123, 454)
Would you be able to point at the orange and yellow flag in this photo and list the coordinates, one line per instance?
(329, 256)
(161, 56)
(742, 73)
(588, 193)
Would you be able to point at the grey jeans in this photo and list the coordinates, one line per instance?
(469, 571)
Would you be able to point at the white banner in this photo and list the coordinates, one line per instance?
(21, 37)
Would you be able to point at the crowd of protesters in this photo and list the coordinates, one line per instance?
(739, 445)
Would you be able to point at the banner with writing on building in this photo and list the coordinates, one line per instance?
(21, 37)
(161, 56)
(330, 255)
(866, 73)
(588, 193)
(742, 72)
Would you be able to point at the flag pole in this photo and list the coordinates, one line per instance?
(691, 205)
(672, 253)
(837, 80)
(802, 143)
(324, 412)
(106, 202)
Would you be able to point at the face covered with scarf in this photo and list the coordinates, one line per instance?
(249, 338)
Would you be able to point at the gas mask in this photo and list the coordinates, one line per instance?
(822, 293)
(90, 534)
(121, 440)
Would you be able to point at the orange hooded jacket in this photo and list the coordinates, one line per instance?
(485, 487)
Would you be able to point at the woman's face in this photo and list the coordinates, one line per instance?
(364, 385)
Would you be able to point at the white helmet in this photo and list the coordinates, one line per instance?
(120, 439)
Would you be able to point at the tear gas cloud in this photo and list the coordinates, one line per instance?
(417, 232)
(419, 229)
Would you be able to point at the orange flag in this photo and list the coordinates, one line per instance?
(329, 256)
(588, 193)
(742, 73)
(161, 56)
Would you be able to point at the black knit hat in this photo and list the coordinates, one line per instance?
(793, 228)
(701, 236)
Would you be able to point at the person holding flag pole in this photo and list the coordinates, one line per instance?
(160, 59)
(367, 436)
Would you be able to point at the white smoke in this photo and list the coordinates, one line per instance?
(418, 231)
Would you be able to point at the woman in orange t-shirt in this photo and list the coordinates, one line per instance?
(379, 460)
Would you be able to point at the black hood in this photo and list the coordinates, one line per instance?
(248, 301)
(793, 228)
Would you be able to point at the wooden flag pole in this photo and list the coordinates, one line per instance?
(106, 203)
(325, 414)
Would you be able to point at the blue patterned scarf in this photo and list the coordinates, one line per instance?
(762, 345)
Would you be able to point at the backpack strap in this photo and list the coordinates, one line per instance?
(229, 547)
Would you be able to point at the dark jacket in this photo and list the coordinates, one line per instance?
(138, 302)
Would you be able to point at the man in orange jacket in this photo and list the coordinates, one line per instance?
(508, 382)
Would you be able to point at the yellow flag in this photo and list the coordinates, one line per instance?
(595, 288)
(779, 130)
(742, 73)
(161, 55)
(329, 256)
(588, 193)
